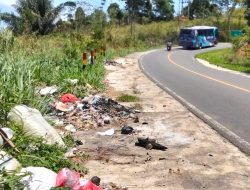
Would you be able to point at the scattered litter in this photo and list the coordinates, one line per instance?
(54, 120)
(40, 178)
(162, 158)
(73, 81)
(78, 142)
(106, 120)
(109, 132)
(48, 90)
(68, 98)
(68, 178)
(71, 179)
(88, 185)
(9, 132)
(96, 180)
(5, 135)
(127, 130)
(70, 128)
(112, 186)
(70, 153)
(34, 124)
(150, 144)
(63, 107)
(90, 112)
(7, 162)
(145, 123)
(136, 120)
(110, 62)
(95, 100)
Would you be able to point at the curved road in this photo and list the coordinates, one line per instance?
(224, 96)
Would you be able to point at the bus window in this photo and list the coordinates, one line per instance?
(202, 33)
(210, 32)
(186, 32)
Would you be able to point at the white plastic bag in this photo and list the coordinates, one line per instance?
(40, 178)
(48, 90)
(7, 162)
(34, 124)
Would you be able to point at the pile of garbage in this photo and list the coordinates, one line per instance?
(87, 113)
(71, 114)
(40, 178)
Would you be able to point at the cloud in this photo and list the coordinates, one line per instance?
(7, 2)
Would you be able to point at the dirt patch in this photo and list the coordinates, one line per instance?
(196, 158)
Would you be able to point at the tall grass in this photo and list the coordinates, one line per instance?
(32, 62)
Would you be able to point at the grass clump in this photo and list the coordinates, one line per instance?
(30, 151)
(34, 152)
(226, 58)
(127, 98)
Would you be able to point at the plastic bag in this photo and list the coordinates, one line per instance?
(89, 186)
(40, 179)
(68, 178)
(7, 162)
(71, 179)
(34, 124)
(68, 98)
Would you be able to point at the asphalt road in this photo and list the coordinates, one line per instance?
(224, 96)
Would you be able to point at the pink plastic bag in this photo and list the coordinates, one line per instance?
(89, 186)
(71, 179)
(68, 178)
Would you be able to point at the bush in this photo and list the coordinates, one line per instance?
(6, 40)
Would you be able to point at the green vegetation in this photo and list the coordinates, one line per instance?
(39, 49)
(33, 152)
(127, 98)
(225, 58)
(28, 63)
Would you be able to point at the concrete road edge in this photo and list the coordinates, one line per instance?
(243, 145)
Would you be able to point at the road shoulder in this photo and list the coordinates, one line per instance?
(197, 157)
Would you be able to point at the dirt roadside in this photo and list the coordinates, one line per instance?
(196, 158)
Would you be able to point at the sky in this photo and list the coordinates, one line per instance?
(5, 5)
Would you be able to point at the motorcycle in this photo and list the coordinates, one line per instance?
(169, 46)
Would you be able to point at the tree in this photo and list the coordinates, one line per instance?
(136, 9)
(229, 7)
(201, 9)
(247, 14)
(98, 21)
(79, 18)
(147, 11)
(163, 9)
(34, 16)
(114, 12)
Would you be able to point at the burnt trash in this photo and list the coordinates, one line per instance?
(126, 130)
(136, 119)
(78, 142)
(150, 144)
(90, 112)
(96, 180)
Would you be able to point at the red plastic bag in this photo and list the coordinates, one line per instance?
(68, 178)
(89, 186)
(68, 98)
